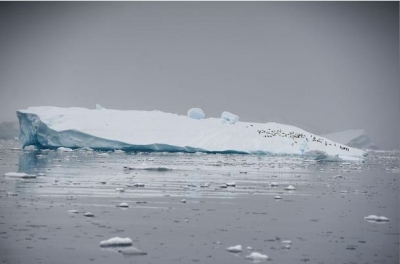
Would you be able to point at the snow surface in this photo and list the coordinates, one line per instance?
(54, 127)
(196, 113)
(352, 138)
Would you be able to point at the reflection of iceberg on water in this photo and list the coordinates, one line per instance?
(53, 127)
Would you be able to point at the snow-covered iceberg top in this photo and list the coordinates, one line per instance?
(53, 127)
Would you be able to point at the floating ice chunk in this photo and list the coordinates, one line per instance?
(274, 184)
(183, 201)
(88, 214)
(136, 185)
(382, 219)
(116, 242)
(277, 197)
(205, 185)
(290, 188)
(228, 118)
(196, 113)
(99, 107)
(132, 251)
(63, 149)
(231, 184)
(73, 211)
(118, 151)
(124, 205)
(287, 242)
(376, 218)
(224, 186)
(119, 189)
(235, 249)
(17, 174)
(257, 257)
(103, 155)
(159, 168)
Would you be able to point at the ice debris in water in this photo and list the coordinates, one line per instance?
(119, 190)
(290, 188)
(73, 211)
(228, 118)
(116, 242)
(88, 214)
(376, 218)
(277, 197)
(125, 205)
(20, 175)
(286, 242)
(274, 184)
(196, 113)
(148, 168)
(235, 249)
(183, 201)
(231, 184)
(63, 149)
(136, 185)
(257, 257)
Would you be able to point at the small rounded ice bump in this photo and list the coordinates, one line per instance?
(88, 214)
(116, 242)
(183, 201)
(73, 211)
(273, 184)
(196, 113)
(124, 205)
(255, 256)
(235, 249)
(277, 197)
(119, 189)
(231, 184)
(290, 188)
(286, 242)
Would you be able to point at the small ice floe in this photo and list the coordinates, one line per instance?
(224, 186)
(131, 251)
(290, 188)
(63, 149)
(375, 218)
(243, 172)
(73, 211)
(257, 257)
(183, 201)
(40, 174)
(337, 177)
(116, 242)
(277, 197)
(88, 214)
(137, 185)
(205, 185)
(273, 184)
(230, 184)
(148, 168)
(287, 242)
(123, 205)
(235, 249)
(249, 248)
(20, 175)
(119, 190)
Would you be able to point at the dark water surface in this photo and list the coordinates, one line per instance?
(323, 217)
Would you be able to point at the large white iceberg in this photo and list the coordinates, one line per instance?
(53, 127)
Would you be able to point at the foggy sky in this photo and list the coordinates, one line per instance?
(322, 66)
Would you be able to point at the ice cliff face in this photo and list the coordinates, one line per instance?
(52, 127)
(352, 138)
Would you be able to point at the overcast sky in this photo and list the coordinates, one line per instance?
(322, 66)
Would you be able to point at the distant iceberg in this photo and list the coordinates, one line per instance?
(352, 138)
(54, 127)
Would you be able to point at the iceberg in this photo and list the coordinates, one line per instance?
(352, 138)
(109, 129)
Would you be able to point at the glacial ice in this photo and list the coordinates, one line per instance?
(116, 242)
(196, 113)
(228, 118)
(80, 128)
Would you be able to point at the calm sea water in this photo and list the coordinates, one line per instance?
(185, 212)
